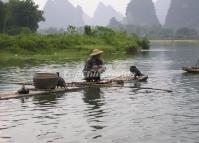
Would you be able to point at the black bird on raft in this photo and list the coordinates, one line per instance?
(61, 82)
(134, 70)
(23, 90)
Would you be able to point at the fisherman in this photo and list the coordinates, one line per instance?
(94, 66)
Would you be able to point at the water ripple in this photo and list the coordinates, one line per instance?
(117, 114)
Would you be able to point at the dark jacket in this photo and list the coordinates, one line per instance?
(90, 63)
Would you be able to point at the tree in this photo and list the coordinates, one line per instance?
(71, 30)
(104, 31)
(23, 14)
(87, 30)
(2, 16)
(186, 33)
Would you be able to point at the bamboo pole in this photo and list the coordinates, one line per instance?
(159, 89)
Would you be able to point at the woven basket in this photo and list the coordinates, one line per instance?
(45, 80)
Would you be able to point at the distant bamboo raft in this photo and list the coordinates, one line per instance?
(191, 69)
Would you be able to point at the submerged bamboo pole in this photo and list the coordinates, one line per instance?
(159, 89)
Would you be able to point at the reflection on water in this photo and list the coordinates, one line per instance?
(94, 98)
(136, 87)
(117, 114)
(47, 99)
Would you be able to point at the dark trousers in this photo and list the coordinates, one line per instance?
(92, 76)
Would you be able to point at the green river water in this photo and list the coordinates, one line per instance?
(105, 115)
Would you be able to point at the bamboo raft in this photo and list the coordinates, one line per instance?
(73, 87)
(191, 69)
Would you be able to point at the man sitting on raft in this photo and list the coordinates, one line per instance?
(94, 66)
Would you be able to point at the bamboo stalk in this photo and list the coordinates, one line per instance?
(20, 83)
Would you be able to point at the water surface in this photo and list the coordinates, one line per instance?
(117, 114)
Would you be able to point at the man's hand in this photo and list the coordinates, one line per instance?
(99, 69)
(102, 69)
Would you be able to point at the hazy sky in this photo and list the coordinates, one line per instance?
(89, 6)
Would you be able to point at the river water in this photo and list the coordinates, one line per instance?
(105, 115)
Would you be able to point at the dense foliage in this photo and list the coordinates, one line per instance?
(2, 16)
(99, 37)
(16, 15)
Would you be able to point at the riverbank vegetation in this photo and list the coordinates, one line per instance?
(71, 44)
